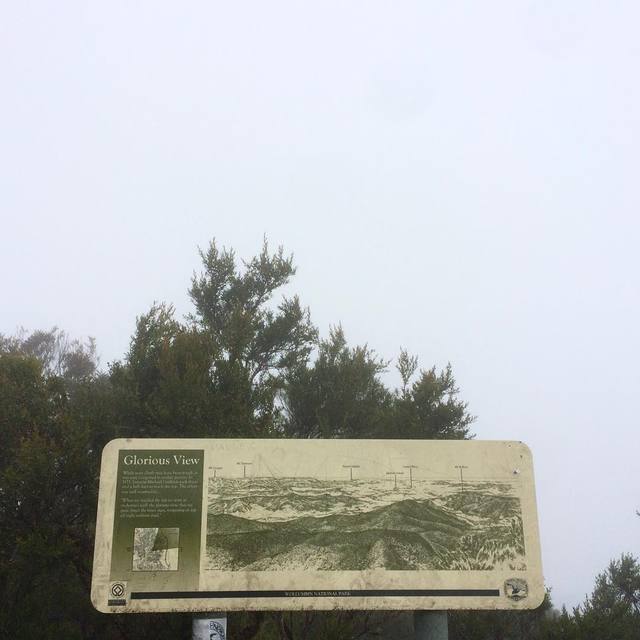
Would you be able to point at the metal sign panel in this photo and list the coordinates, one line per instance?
(202, 525)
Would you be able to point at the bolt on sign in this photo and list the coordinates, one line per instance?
(202, 525)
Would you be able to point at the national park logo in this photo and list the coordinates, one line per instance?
(516, 589)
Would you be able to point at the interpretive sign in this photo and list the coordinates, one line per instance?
(203, 525)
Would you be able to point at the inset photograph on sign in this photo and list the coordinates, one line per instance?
(156, 548)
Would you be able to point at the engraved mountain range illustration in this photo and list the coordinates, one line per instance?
(269, 524)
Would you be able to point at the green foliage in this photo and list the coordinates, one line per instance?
(244, 364)
(342, 395)
(233, 307)
(57, 354)
(501, 625)
(47, 507)
(165, 387)
(220, 372)
(339, 395)
(406, 366)
(23, 401)
(612, 611)
(430, 407)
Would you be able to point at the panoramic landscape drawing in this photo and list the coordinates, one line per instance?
(394, 522)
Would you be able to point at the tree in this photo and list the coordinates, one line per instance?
(243, 364)
(47, 502)
(164, 385)
(220, 372)
(430, 407)
(233, 307)
(407, 365)
(502, 625)
(58, 355)
(612, 611)
(339, 395)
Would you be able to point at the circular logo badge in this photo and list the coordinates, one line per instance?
(117, 589)
(516, 588)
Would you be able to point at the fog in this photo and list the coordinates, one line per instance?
(460, 179)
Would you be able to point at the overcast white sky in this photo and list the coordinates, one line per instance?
(458, 178)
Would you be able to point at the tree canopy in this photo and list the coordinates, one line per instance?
(246, 362)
